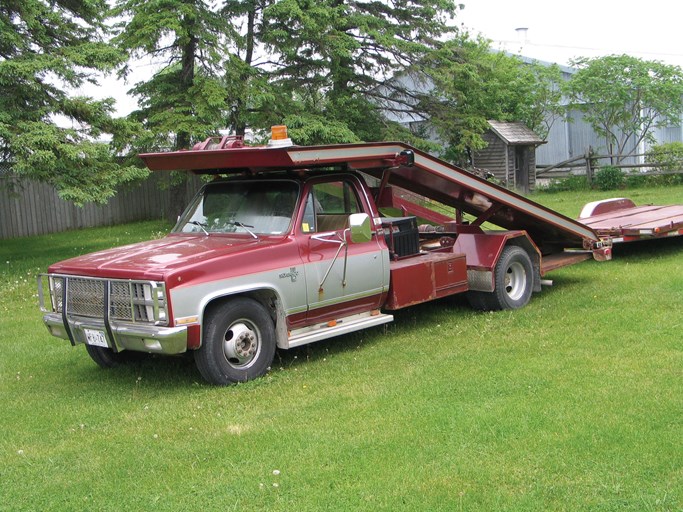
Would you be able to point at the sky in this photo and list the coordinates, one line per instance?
(556, 32)
(559, 31)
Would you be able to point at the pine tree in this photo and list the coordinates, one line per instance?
(185, 99)
(48, 50)
(342, 57)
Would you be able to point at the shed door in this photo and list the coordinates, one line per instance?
(522, 161)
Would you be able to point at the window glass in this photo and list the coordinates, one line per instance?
(239, 207)
(328, 207)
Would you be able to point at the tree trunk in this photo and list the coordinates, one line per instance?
(238, 118)
(177, 196)
(179, 183)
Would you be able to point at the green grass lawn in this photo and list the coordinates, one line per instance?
(573, 403)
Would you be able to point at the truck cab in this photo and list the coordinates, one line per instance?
(292, 254)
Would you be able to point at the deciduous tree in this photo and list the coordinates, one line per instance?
(473, 84)
(624, 98)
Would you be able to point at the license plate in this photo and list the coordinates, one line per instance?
(95, 338)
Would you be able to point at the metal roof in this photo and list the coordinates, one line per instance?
(515, 134)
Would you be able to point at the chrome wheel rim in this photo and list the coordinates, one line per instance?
(515, 281)
(241, 344)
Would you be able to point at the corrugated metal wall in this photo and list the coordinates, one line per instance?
(568, 139)
(30, 208)
(669, 134)
(556, 147)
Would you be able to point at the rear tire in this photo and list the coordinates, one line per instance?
(513, 279)
(238, 344)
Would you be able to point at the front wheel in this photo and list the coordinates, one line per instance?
(239, 342)
(107, 358)
(513, 279)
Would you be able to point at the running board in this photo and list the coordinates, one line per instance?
(345, 325)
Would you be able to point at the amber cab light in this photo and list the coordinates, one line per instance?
(278, 137)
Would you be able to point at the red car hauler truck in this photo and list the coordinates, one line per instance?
(287, 246)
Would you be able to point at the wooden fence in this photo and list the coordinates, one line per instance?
(30, 208)
(588, 163)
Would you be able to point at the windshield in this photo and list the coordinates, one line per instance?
(264, 207)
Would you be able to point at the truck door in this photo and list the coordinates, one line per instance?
(342, 278)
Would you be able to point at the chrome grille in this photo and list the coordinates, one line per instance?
(120, 299)
(141, 295)
(129, 301)
(85, 297)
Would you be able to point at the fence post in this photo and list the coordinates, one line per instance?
(589, 166)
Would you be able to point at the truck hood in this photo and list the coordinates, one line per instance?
(157, 258)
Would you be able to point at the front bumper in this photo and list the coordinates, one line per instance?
(120, 336)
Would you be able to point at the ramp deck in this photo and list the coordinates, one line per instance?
(622, 221)
(404, 166)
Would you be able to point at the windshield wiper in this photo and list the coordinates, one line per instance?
(202, 226)
(245, 227)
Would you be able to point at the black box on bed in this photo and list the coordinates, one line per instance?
(401, 235)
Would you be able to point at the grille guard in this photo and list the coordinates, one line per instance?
(128, 300)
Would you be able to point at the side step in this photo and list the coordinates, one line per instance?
(345, 325)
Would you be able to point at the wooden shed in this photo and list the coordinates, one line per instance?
(510, 155)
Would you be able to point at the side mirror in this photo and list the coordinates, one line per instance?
(360, 226)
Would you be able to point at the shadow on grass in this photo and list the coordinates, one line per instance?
(645, 249)
(561, 283)
(167, 372)
(170, 373)
(179, 372)
(415, 317)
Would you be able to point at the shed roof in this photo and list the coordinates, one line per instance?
(515, 134)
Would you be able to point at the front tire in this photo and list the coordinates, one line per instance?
(239, 342)
(513, 279)
(107, 358)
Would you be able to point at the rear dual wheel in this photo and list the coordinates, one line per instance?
(513, 280)
(238, 343)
